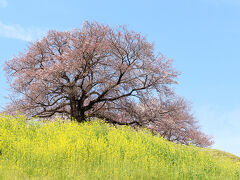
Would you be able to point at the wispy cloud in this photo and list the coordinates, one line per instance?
(3, 3)
(224, 2)
(15, 31)
(223, 125)
(229, 1)
(219, 117)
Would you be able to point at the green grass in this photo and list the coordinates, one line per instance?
(94, 150)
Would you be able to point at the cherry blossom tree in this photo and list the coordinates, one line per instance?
(170, 117)
(173, 120)
(97, 71)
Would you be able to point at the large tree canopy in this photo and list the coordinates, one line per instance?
(112, 73)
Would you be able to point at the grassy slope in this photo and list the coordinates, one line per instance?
(222, 154)
(97, 151)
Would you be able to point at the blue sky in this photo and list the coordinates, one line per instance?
(202, 36)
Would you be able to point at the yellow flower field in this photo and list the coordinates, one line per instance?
(95, 150)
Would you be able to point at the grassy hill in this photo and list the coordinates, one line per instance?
(94, 150)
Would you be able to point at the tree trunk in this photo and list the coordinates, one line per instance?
(81, 117)
(77, 113)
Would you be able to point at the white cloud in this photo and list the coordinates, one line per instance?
(3, 3)
(219, 117)
(223, 125)
(17, 32)
(224, 2)
(229, 1)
